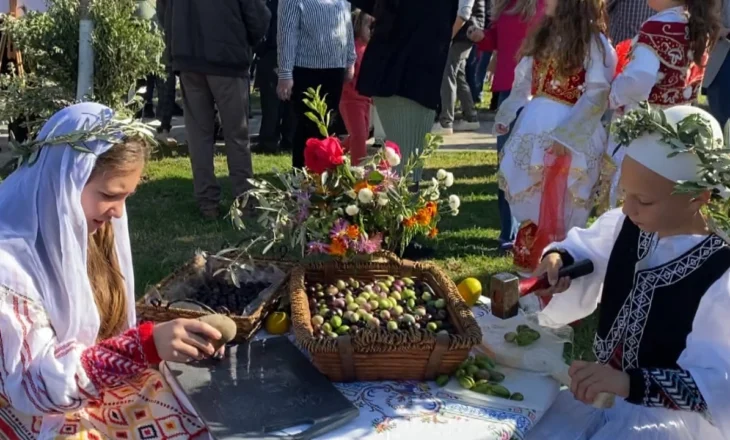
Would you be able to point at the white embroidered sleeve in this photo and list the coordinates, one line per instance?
(595, 244)
(576, 130)
(519, 95)
(41, 375)
(634, 84)
(707, 355)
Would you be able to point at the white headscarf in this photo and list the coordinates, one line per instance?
(43, 231)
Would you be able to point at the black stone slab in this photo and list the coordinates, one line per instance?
(262, 387)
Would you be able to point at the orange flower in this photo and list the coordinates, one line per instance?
(433, 233)
(409, 222)
(362, 185)
(338, 247)
(432, 208)
(423, 217)
(353, 232)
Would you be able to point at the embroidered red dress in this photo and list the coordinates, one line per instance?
(661, 71)
(559, 109)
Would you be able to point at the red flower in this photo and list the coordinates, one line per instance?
(321, 155)
(623, 52)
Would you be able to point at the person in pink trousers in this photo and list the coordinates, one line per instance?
(354, 107)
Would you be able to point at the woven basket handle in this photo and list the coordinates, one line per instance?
(190, 301)
(390, 256)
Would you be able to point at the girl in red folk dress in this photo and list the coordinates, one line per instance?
(74, 364)
(551, 162)
(667, 63)
(354, 107)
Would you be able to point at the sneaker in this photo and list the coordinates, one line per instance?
(163, 137)
(440, 129)
(466, 126)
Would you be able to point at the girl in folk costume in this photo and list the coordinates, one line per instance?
(666, 62)
(73, 361)
(662, 277)
(553, 154)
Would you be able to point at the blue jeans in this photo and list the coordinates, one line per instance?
(476, 72)
(718, 93)
(507, 223)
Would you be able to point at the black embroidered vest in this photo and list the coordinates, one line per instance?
(646, 315)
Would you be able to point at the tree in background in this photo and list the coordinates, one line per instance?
(125, 46)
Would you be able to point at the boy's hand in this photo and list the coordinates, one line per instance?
(475, 34)
(500, 129)
(588, 379)
(550, 265)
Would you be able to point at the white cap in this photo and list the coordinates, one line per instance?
(650, 151)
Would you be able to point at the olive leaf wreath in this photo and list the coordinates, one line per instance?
(694, 135)
(106, 128)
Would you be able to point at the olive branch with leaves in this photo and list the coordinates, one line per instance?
(106, 129)
(693, 135)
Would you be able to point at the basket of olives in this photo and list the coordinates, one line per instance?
(380, 319)
(243, 290)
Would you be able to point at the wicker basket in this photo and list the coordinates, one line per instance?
(150, 307)
(376, 354)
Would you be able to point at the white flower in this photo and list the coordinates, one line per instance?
(434, 182)
(383, 199)
(352, 210)
(441, 174)
(358, 172)
(455, 212)
(365, 195)
(400, 219)
(454, 202)
(392, 157)
(351, 194)
(435, 194)
(687, 93)
(449, 180)
(339, 211)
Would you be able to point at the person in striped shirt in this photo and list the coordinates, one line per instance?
(316, 48)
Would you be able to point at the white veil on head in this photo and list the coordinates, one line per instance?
(43, 231)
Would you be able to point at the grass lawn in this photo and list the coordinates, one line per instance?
(166, 228)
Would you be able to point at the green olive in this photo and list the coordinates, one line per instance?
(517, 397)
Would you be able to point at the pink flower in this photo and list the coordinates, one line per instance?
(316, 247)
(339, 229)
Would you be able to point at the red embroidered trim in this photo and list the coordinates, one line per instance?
(110, 362)
(147, 340)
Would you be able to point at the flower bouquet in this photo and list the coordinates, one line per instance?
(332, 207)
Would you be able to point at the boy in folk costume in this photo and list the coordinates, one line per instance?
(662, 277)
(666, 62)
(552, 157)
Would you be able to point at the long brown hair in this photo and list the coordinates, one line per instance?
(704, 26)
(565, 37)
(525, 8)
(105, 274)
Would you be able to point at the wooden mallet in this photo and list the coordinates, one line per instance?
(506, 289)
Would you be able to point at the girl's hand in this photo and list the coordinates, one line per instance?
(500, 129)
(284, 88)
(551, 265)
(184, 340)
(559, 149)
(475, 34)
(350, 73)
(588, 379)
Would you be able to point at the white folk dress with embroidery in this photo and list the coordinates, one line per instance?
(634, 85)
(56, 380)
(544, 121)
(706, 356)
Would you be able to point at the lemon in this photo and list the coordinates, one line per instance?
(277, 323)
(470, 289)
